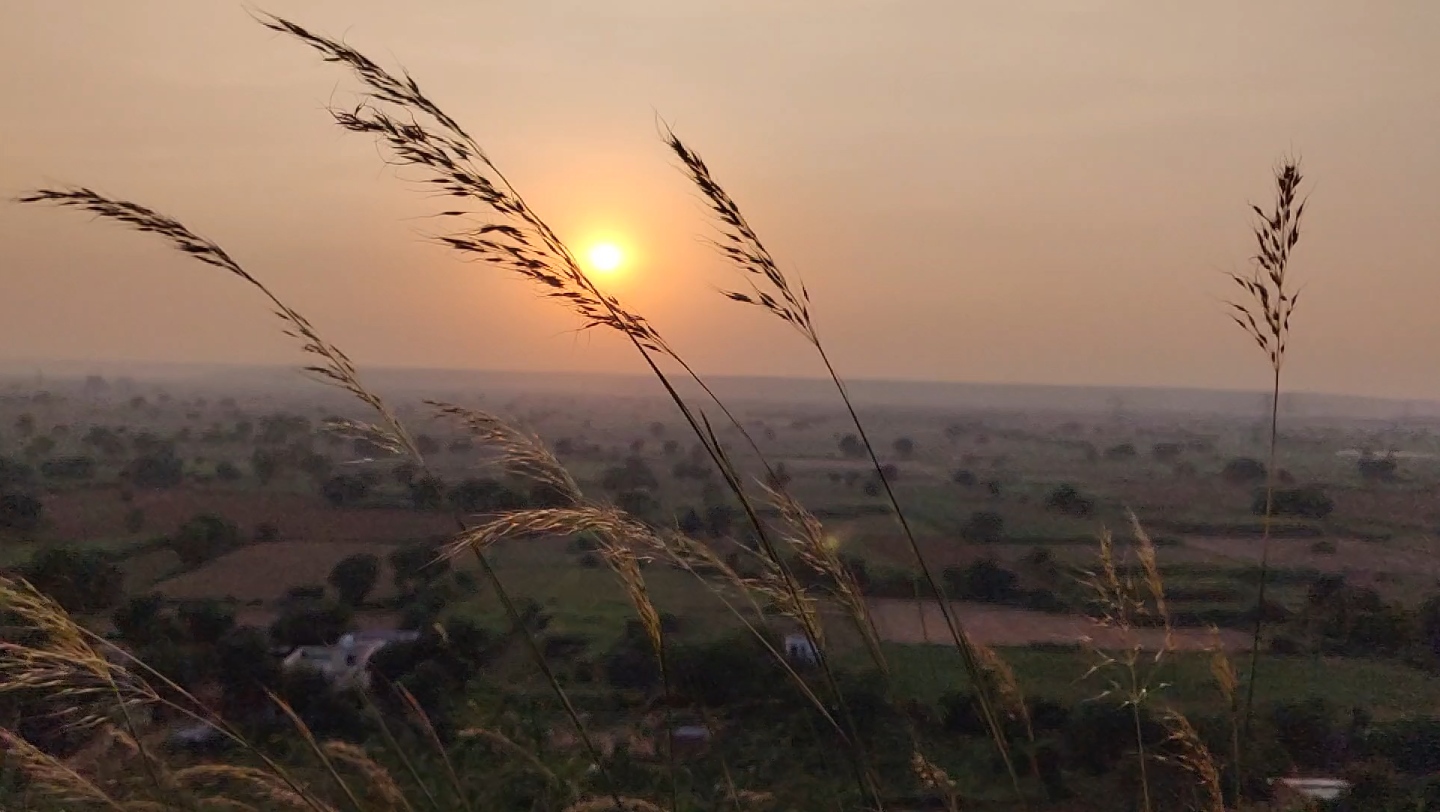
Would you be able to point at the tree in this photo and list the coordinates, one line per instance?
(313, 625)
(964, 478)
(25, 424)
(20, 512)
(984, 527)
(140, 621)
(1243, 471)
(427, 493)
(82, 582)
(718, 520)
(206, 621)
(657, 429)
(1165, 452)
(246, 671)
(484, 496)
(985, 580)
(1066, 499)
(404, 473)
(778, 477)
(73, 469)
(134, 520)
(15, 474)
(851, 447)
(690, 523)
(344, 490)
(634, 474)
(266, 531)
(39, 447)
(417, 562)
(1123, 451)
(157, 471)
(905, 447)
(637, 503)
(1377, 469)
(227, 471)
(427, 445)
(354, 576)
(203, 537)
(265, 464)
(1309, 502)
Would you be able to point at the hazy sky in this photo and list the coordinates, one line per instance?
(986, 191)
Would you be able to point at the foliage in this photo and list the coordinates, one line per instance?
(311, 624)
(1243, 471)
(1066, 499)
(354, 576)
(203, 537)
(1310, 502)
(20, 512)
(344, 489)
(984, 527)
(80, 581)
(159, 470)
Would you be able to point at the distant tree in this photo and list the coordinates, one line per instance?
(633, 474)
(1243, 471)
(39, 447)
(671, 448)
(993, 487)
(265, 464)
(690, 523)
(484, 496)
(246, 671)
(15, 474)
(140, 621)
(314, 625)
(851, 447)
(872, 488)
(1377, 469)
(206, 621)
(890, 471)
(1309, 502)
(70, 469)
(1428, 621)
(203, 537)
(905, 447)
(355, 576)
(657, 429)
(344, 490)
(404, 473)
(25, 424)
(417, 563)
(564, 447)
(964, 478)
(227, 471)
(984, 580)
(82, 582)
(460, 445)
(158, 471)
(984, 527)
(1066, 499)
(427, 445)
(427, 493)
(778, 477)
(1164, 452)
(718, 520)
(1122, 451)
(637, 503)
(266, 531)
(134, 520)
(20, 512)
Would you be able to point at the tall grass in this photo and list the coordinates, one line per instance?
(491, 222)
(1263, 311)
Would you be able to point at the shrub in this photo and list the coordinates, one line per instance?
(203, 537)
(1309, 502)
(1323, 547)
(1123, 451)
(20, 512)
(157, 471)
(344, 490)
(484, 496)
(964, 478)
(984, 527)
(1243, 471)
(68, 468)
(80, 581)
(310, 625)
(227, 471)
(1066, 499)
(134, 520)
(354, 576)
(984, 580)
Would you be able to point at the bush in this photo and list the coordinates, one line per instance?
(354, 576)
(204, 537)
(227, 471)
(134, 520)
(1309, 502)
(344, 490)
(1123, 451)
(984, 527)
(1243, 471)
(266, 531)
(310, 625)
(156, 471)
(20, 512)
(484, 496)
(1324, 547)
(964, 478)
(1377, 469)
(1067, 500)
(81, 582)
(984, 580)
(68, 468)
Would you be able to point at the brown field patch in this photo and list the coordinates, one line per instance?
(265, 571)
(900, 621)
(96, 513)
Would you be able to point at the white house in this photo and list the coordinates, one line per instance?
(344, 663)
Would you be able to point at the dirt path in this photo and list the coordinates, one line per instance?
(900, 621)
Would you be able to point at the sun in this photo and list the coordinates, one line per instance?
(606, 257)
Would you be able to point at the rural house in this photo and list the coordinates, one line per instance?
(344, 663)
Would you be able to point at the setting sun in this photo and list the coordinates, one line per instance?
(606, 257)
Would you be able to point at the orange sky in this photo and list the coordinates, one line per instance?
(985, 191)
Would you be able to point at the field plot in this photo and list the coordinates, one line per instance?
(905, 621)
(264, 571)
(92, 513)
